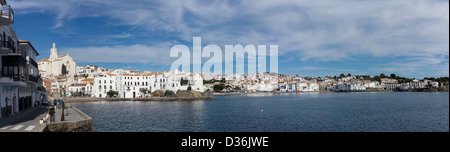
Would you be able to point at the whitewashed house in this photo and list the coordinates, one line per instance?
(307, 87)
(19, 75)
(104, 83)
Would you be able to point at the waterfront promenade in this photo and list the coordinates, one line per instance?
(29, 120)
(25, 121)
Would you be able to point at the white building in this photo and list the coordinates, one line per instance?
(416, 84)
(307, 87)
(76, 88)
(403, 87)
(167, 82)
(20, 84)
(53, 66)
(390, 86)
(348, 87)
(371, 84)
(104, 83)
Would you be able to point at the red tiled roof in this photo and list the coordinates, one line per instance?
(44, 60)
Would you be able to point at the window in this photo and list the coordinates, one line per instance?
(100, 87)
(100, 81)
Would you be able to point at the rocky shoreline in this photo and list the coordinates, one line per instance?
(209, 96)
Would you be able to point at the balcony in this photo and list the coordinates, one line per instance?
(32, 62)
(13, 66)
(6, 78)
(7, 44)
(7, 15)
(32, 78)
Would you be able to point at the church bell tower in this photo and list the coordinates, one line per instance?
(53, 53)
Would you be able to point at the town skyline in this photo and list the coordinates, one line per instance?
(378, 37)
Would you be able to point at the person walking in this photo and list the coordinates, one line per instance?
(52, 112)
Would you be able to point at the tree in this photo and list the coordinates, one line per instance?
(349, 74)
(237, 88)
(342, 75)
(428, 85)
(63, 69)
(219, 87)
(168, 93)
(183, 82)
(144, 91)
(111, 93)
(227, 86)
(377, 78)
(393, 76)
(382, 75)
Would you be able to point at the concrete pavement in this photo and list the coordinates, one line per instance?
(25, 121)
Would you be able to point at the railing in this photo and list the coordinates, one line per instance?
(6, 73)
(7, 13)
(14, 67)
(32, 62)
(7, 42)
(33, 78)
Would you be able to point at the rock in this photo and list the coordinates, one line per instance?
(191, 94)
(158, 93)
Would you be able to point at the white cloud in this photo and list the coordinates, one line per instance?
(314, 30)
(155, 54)
(313, 68)
(428, 66)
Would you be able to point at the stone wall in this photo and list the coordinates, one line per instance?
(83, 125)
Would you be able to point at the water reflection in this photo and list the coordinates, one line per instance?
(301, 112)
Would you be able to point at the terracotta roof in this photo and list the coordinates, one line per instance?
(79, 84)
(44, 60)
(89, 80)
(60, 77)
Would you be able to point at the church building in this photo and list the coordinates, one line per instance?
(57, 64)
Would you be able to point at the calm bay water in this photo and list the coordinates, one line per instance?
(303, 112)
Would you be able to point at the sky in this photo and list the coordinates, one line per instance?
(315, 38)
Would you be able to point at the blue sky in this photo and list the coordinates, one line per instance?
(407, 37)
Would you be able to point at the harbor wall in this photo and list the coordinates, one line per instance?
(83, 125)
